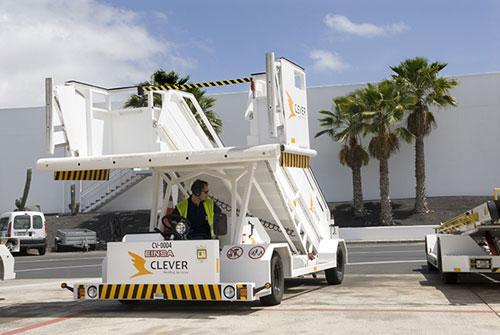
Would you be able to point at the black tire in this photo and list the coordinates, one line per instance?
(277, 282)
(42, 251)
(335, 276)
(449, 277)
(431, 267)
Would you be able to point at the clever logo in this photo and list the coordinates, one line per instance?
(139, 264)
(295, 109)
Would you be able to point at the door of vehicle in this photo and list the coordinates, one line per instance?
(21, 226)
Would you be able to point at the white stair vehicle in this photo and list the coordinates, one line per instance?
(278, 222)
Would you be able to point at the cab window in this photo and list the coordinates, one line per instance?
(22, 222)
(37, 222)
(4, 222)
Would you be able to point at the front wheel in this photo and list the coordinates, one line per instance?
(277, 282)
(41, 251)
(449, 277)
(335, 276)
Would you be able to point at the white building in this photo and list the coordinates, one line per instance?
(461, 154)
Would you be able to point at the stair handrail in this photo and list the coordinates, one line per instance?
(101, 187)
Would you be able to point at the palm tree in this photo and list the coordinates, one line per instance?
(161, 77)
(385, 107)
(420, 79)
(345, 125)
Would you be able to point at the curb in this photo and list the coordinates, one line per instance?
(382, 241)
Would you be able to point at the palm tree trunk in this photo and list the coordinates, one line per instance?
(357, 191)
(385, 202)
(420, 197)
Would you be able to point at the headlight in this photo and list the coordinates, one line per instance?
(181, 228)
(482, 264)
(92, 292)
(229, 292)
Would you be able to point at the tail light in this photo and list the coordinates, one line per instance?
(45, 227)
(9, 229)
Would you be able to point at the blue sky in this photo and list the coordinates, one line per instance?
(229, 38)
(120, 42)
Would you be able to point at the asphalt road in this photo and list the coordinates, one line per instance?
(387, 290)
(391, 258)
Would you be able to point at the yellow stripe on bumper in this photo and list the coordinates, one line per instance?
(160, 291)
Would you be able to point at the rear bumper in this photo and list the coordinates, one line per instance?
(33, 243)
(174, 292)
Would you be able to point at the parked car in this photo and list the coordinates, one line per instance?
(28, 227)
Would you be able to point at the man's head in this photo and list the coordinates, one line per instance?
(200, 189)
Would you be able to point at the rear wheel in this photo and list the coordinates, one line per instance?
(277, 282)
(335, 276)
(42, 250)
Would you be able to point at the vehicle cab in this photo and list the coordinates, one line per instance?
(28, 227)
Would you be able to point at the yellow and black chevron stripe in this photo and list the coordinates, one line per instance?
(294, 160)
(159, 291)
(194, 85)
(82, 175)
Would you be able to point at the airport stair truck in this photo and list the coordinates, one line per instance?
(468, 243)
(275, 221)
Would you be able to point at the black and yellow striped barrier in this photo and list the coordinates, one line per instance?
(160, 291)
(82, 175)
(294, 160)
(143, 89)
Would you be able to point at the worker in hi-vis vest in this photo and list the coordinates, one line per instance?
(200, 211)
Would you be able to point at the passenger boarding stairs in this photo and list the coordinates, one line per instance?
(282, 192)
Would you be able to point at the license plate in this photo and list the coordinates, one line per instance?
(20, 234)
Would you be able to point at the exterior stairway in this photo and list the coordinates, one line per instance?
(97, 194)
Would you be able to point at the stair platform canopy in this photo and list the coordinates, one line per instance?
(265, 187)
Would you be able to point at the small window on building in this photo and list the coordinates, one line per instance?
(22, 222)
(37, 222)
(299, 80)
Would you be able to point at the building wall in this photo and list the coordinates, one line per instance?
(22, 142)
(461, 153)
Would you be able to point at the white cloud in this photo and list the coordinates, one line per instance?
(326, 60)
(343, 24)
(78, 39)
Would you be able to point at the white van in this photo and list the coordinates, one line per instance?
(28, 227)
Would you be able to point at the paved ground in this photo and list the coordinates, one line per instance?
(367, 302)
(363, 259)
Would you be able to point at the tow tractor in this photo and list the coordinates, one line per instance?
(275, 222)
(468, 243)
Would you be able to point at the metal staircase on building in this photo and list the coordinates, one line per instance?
(98, 194)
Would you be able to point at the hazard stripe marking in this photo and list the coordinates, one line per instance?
(82, 175)
(167, 291)
(196, 85)
(294, 160)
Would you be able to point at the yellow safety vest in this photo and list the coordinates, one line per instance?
(208, 205)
